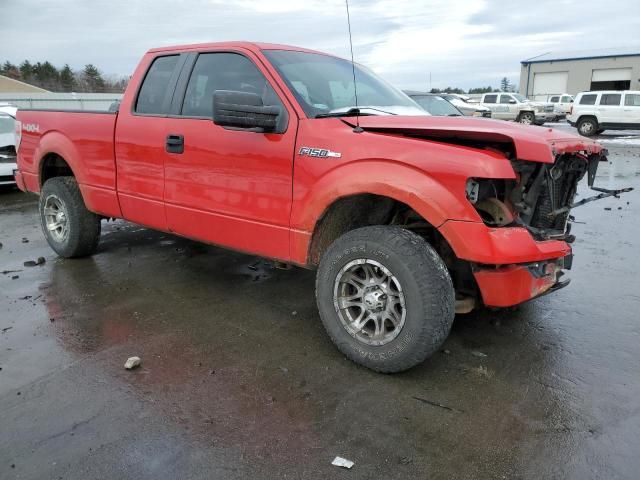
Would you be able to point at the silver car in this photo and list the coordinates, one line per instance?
(7, 144)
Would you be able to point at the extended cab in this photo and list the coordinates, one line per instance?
(595, 112)
(408, 218)
(513, 106)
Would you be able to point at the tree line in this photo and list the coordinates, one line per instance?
(45, 75)
(505, 86)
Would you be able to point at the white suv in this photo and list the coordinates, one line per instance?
(562, 102)
(595, 112)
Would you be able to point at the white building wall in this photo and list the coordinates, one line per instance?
(580, 73)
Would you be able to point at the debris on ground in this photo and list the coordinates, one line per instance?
(406, 461)
(607, 208)
(5, 272)
(436, 404)
(132, 362)
(15, 277)
(52, 319)
(32, 263)
(25, 240)
(446, 351)
(342, 462)
(6, 328)
(294, 313)
(478, 354)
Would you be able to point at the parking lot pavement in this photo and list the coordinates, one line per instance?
(238, 379)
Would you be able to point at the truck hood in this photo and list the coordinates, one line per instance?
(532, 143)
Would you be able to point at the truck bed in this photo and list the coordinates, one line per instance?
(78, 136)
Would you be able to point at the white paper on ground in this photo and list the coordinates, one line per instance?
(342, 462)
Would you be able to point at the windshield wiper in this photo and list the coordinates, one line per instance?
(352, 112)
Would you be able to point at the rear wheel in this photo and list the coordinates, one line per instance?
(527, 118)
(587, 126)
(70, 229)
(385, 297)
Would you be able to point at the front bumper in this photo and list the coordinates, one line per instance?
(542, 117)
(505, 286)
(6, 173)
(509, 265)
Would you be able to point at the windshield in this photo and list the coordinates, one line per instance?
(323, 84)
(520, 98)
(436, 105)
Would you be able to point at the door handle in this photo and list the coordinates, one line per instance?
(175, 143)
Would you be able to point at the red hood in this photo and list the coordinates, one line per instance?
(537, 144)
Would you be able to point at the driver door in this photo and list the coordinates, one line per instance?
(226, 186)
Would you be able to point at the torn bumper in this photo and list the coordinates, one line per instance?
(509, 265)
(505, 286)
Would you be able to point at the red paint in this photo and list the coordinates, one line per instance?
(252, 192)
(507, 286)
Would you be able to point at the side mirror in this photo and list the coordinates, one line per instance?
(512, 101)
(243, 110)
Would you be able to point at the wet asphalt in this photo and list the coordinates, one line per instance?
(239, 380)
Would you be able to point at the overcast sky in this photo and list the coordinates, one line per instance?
(464, 43)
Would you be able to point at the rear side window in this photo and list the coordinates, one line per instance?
(155, 86)
(610, 99)
(554, 99)
(632, 100)
(223, 71)
(490, 98)
(588, 99)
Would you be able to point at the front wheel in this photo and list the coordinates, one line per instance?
(385, 297)
(526, 118)
(70, 229)
(587, 126)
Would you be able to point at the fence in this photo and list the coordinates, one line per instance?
(61, 101)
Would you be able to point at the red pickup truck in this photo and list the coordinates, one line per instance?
(270, 150)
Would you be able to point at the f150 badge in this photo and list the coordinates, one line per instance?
(318, 152)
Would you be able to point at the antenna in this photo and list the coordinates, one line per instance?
(358, 129)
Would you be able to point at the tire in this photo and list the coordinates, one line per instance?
(416, 279)
(78, 230)
(526, 118)
(587, 126)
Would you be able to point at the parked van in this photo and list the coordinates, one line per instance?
(595, 112)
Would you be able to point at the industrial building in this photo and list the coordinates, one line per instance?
(572, 72)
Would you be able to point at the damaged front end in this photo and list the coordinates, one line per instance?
(541, 197)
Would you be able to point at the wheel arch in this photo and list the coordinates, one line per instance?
(57, 156)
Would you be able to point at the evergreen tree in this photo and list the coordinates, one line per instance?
(93, 78)
(10, 70)
(26, 71)
(505, 84)
(67, 79)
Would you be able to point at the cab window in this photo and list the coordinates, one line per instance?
(505, 98)
(224, 71)
(554, 99)
(567, 99)
(155, 86)
(610, 99)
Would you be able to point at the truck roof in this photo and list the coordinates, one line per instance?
(234, 44)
